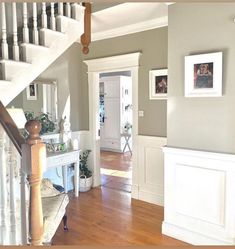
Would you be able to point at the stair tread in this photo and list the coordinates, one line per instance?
(53, 31)
(34, 45)
(68, 18)
(15, 62)
(4, 82)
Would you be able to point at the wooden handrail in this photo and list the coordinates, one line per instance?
(86, 36)
(11, 129)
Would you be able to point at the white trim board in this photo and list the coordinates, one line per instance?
(126, 62)
(133, 19)
(130, 29)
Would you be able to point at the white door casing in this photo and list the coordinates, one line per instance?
(126, 62)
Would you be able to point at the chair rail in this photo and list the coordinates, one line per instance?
(10, 128)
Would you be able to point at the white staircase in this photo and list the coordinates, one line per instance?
(50, 36)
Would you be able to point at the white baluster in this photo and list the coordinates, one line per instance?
(52, 17)
(35, 28)
(68, 10)
(12, 166)
(3, 190)
(61, 9)
(77, 11)
(23, 207)
(44, 16)
(25, 24)
(16, 52)
(4, 33)
(73, 10)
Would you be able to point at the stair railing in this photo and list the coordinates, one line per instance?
(21, 163)
(43, 15)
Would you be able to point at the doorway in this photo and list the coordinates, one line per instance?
(115, 111)
(127, 62)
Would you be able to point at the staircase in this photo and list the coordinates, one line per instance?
(43, 38)
(32, 37)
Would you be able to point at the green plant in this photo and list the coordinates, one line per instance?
(85, 172)
(43, 118)
(127, 126)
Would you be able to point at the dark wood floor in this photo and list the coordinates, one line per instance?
(105, 216)
(117, 165)
(108, 216)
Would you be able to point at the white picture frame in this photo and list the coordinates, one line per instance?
(203, 75)
(158, 84)
(31, 91)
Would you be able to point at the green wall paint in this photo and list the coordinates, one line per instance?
(153, 46)
(201, 123)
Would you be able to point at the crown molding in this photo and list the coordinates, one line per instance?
(130, 29)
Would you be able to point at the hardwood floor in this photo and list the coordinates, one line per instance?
(116, 170)
(104, 216)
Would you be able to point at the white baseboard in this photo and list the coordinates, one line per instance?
(135, 191)
(190, 236)
(151, 197)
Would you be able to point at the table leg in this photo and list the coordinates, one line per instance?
(125, 144)
(65, 178)
(76, 179)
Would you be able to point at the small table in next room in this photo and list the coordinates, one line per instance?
(127, 137)
(55, 159)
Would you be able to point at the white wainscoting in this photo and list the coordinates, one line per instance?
(199, 196)
(150, 169)
(83, 138)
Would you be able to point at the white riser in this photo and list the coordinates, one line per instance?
(31, 51)
(11, 69)
(4, 83)
(21, 74)
(48, 37)
(63, 23)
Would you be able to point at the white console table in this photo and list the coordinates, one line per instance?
(64, 159)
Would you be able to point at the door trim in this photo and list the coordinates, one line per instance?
(126, 62)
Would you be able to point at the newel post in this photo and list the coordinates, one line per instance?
(34, 157)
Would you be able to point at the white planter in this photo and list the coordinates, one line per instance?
(85, 184)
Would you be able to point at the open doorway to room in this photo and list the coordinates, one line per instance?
(115, 111)
(117, 63)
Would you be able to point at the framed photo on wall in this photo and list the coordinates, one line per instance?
(31, 92)
(158, 84)
(203, 75)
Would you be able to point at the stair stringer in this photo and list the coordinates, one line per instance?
(39, 64)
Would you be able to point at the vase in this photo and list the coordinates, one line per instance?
(85, 184)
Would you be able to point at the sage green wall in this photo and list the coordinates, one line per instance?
(201, 123)
(21, 101)
(33, 105)
(17, 102)
(67, 71)
(71, 75)
(153, 46)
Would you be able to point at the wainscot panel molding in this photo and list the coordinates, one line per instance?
(150, 166)
(199, 190)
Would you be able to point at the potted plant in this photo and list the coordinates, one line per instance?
(85, 174)
(47, 124)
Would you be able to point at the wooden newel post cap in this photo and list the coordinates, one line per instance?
(85, 50)
(33, 127)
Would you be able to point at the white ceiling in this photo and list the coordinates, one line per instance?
(128, 18)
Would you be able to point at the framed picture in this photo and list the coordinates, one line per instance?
(158, 84)
(31, 92)
(203, 75)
